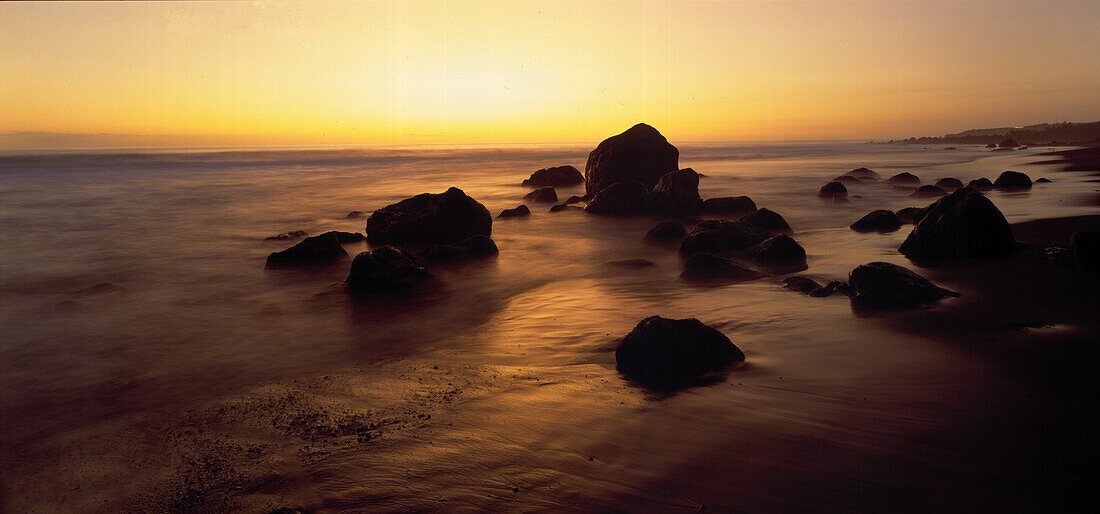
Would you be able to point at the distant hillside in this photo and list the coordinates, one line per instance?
(1043, 134)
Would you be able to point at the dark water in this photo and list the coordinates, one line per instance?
(134, 295)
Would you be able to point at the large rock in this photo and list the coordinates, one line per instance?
(779, 254)
(623, 199)
(681, 187)
(667, 231)
(311, 251)
(663, 353)
(448, 217)
(707, 267)
(386, 269)
(542, 194)
(728, 204)
(904, 178)
(767, 220)
(878, 221)
(833, 189)
(961, 225)
(1086, 250)
(475, 247)
(641, 154)
(558, 176)
(885, 285)
(1012, 180)
(980, 184)
(949, 184)
(721, 237)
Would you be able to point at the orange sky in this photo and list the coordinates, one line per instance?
(193, 73)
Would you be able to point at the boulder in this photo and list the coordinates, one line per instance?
(574, 199)
(878, 221)
(728, 204)
(287, 236)
(910, 215)
(721, 237)
(558, 176)
(542, 194)
(707, 267)
(519, 211)
(355, 215)
(863, 173)
(1012, 180)
(949, 184)
(928, 192)
(346, 237)
(1086, 249)
(960, 225)
(980, 184)
(663, 354)
(882, 285)
(681, 187)
(667, 231)
(311, 251)
(1009, 143)
(801, 284)
(1043, 180)
(767, 220)
(474, 247)
(904, 178)
(832, 190)
(564, 207)
(386, 269)
(624, 199)
(640, 154)
(779, 254)
(448, 217)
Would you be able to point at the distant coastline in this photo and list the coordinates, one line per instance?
(1046, 134)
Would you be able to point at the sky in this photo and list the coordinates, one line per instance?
(256, 73)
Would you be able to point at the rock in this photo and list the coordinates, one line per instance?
(729, 204)
(287, 236)
(663, 353)
(904, 178)
(832, 190)
(448, 217)
(1009, 143)
(832, 288)
(558, 176)
(848, 179)
(355, 215)
(991, 145)
(949, 184)
(1043, 180)
(474, 247)
(951, 148)
(863, 173)
(624, 199)
(1012, 180)
(574, 199)
(767, 220)
(479, 246)
(980, 184)
(883, 285)
(346, 237)
(801, 284)
(632, 263)
(311, 251)
(640, 154)
(563, 207)
(1086, 249)
(779, 254)
(708, 267)
(963, 224)
(877, 221)
(682, 189)
(386, 269)
(667, 231)
(542, 194)
(721, 237)
(928, 192)
(519, 211)
(910, 215)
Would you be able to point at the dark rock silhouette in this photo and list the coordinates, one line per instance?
(448, 217)
(832, 190)
(779, 254)
(882, 285)
(386, 269)
(667, 231)
(1009, 143)
(542, 194)
(928, 192)
(517, 212)
(1043, 180)
(721, 237)
(632, 263)
(904, 178)
(991, 145)
(1086, 250)
(640, 154)
(980, 184)
(910, 215)
(708, 267)
(558, 176)
(847, 179)
(574, 199)
(963, 224)
(728, 204)
(767, 220)
(471, 248)
(346, 237)
(949, 184)
(355, 215)
(681, 188)
(801, 284)
(623, 199)
(662, 353)
(288, 236)
(834, 287)
(311, 251)
(1012, 180)
(877, 221)
(563, 207)
(863, 173)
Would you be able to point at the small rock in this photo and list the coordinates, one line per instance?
(1012, 180)
(877, 221)
(542, 194)
(848, 179)
(884, 285)
(832, 190)
(721, 237)
(904, 178)
(801, 284)
(707, 267)
(949, 184)
(311, 251)
(558, 176)
(517, 212)
(386, 269)
(729, 204)
(1043, 180)
(564, 207)
(287, 236)
(928, 192)
(664, 353)
(766, 220)
(780, 254)
(981, 184)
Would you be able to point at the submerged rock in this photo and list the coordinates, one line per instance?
(928, 192)
(542, 194)
(474, 247)
(1012, 180)
(681, 188)
(558, 176)
(1043, 180)
(949, 184)
(311, 251)
(911, 215)
(847, 179)
(667, 231)
(664, 353)
(877, 221)
(801, 284)
(623, 199)
(706, 267)
(564, 207)
(1086, 249)
(961, 225)
(767, 220)
(574, 199)
(863, 173)
(287, 236)
(834, 287)
(722, 237)
(779, 254)
(832, 190)
(904, 178)
(640, 154)
(980, 184)
(884, 285)
(729, 204)
(386, 269)
(448, 217)
(517, 212)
